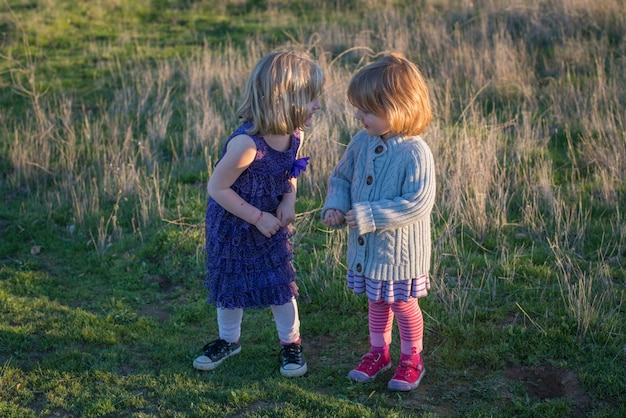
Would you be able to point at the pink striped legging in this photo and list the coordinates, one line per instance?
(410, 323)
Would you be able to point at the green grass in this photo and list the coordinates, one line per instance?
(111, 117)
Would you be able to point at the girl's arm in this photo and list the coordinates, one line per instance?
(286, 210)
(339, 183)
(241, 151)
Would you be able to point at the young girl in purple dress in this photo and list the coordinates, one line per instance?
(383, 189)
(252, 204)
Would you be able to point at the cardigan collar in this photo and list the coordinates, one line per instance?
(378, 147)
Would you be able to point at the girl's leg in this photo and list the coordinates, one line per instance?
(229, 324)
(287, 322)
(378, 359)
(410, 370)
(292, 362)
(411, 326)
(215, 352)
(380, 323)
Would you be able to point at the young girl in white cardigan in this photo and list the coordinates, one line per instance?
(383, 189)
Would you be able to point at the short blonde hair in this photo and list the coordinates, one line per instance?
(393, 88)
(278, 93)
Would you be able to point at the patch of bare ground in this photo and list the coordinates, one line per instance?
(158, 311)
(165, 283)
(252, 408)
(549, 382)
(424, 398)
(315, 348)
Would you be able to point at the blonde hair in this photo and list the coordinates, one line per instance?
(278, 93)
(393, 88)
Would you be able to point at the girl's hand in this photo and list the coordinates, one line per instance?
(267, 224)
(333, 217)
(351, 219)
(286, 213)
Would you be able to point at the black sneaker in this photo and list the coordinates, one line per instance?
(292, 362)
(215, 353)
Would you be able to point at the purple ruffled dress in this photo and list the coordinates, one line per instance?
(244, 268)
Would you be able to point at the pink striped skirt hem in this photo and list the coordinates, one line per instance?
(388, 291)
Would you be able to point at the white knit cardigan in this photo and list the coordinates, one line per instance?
(391, 188)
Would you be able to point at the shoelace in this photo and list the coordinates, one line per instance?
(215, 348)
(292, 353)
(405, 369)
(369, 361)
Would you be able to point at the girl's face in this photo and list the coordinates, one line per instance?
(374, 125)
(312, 107)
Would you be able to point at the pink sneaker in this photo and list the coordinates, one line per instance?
(408, 375)
(371, 364)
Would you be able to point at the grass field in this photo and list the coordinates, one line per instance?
(111, 117)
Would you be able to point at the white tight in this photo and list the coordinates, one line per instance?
(285, 316)
(229, 324)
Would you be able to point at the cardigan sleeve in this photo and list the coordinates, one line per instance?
(340, 180)
(415, 201)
